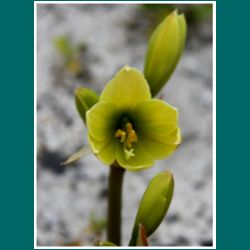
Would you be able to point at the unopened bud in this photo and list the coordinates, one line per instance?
(84, 99)
(164, 50)
(154, 204)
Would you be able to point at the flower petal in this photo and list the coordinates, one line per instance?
(158, 150)
(156, 124)
(105, 150)
(101, 120)
(127, 88)
(179, 137)
(140, 160)
(157, 120)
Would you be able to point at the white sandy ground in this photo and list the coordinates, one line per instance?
(65, 200)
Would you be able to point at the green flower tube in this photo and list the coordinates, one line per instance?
(154, 204)
(164, 50)
(126, 126)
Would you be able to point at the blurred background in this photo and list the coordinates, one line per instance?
(85, 45)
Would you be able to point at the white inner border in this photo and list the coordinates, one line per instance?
(214, 119)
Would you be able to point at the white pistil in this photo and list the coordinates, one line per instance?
(129, 153)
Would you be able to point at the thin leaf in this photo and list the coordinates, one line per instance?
(78, 155)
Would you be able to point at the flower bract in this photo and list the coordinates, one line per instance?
(127, 126)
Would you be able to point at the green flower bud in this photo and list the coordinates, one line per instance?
(154, 204)
(84, 99)
(64, 46)
(164, 50)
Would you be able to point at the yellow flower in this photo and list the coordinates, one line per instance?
(129, 127)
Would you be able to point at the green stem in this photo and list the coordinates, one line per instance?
(115, 204)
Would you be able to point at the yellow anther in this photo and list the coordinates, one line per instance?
(129, 127)
(132, 137)
(123, 136)
(120, 134)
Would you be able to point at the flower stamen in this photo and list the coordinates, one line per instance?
(121, 135)
(127, 136)
(132, 137)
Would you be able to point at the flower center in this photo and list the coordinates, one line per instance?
(127, 136)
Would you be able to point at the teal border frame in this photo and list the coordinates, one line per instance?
(17, 125)
(214, 112)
